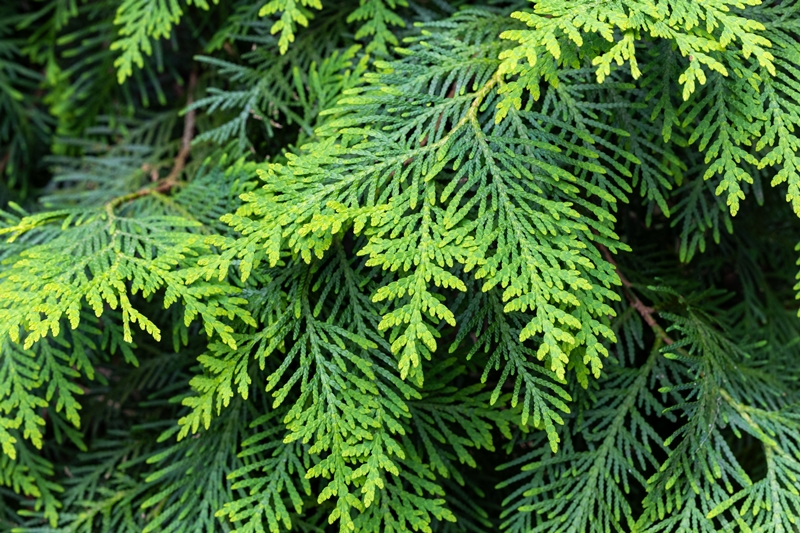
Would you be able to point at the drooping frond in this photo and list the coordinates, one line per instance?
(563, 33)
(292, 14)
(107, 251)
(139, 21)
(612, 447)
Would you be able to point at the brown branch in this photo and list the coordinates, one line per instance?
(188, 134)
(647, 313)
(171, 180)
(4, 162)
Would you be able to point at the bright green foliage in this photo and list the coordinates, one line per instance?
(292, 13)
(698, 30)
(389, 266)
(139, 21)
(111, 258)
(415, 229)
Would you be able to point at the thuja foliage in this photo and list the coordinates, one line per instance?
(399, 265)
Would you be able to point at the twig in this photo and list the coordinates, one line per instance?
(171, 180)
(4, 162)
(188, 133)
(644, 311)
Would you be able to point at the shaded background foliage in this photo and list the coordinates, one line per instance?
(385, 265)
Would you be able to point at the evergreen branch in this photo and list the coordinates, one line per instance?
(343, 202)
(316, 196)
(139, 21)
(293, 13)
(571, 490)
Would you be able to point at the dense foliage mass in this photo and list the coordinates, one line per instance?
(399, 265)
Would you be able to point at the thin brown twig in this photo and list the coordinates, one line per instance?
(188, 133)
(4, 162)
(171, 180)
(647, 313)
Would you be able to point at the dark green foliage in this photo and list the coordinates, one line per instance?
(395, 265)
